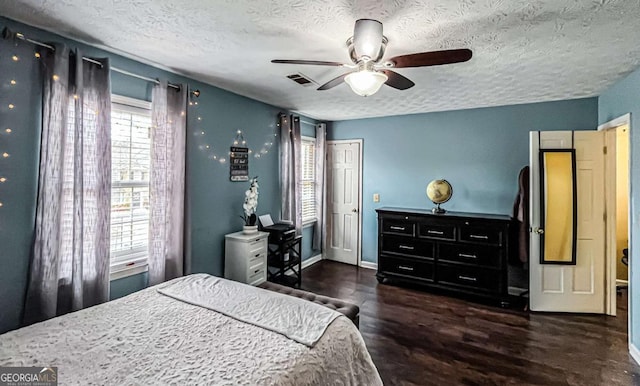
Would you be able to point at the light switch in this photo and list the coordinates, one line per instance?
(376, 197)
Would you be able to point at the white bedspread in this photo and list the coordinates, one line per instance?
(304, 321)
(149, 338)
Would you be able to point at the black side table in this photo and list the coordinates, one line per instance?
(278, 250)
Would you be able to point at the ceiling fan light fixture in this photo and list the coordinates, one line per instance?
(365, 83)
(367, 38)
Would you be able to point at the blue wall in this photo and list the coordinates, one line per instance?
(216, 202)
(620, 99)
(479, 151)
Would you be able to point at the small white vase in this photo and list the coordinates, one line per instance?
(250, 229)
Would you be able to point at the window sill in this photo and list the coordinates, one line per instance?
(129, 270)
(308, 223)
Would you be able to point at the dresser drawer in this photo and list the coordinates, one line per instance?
(444, 232)
(397, 225)
(471, 254)
(479, 278)
(408, 267)
(407, 246)
(482, 235)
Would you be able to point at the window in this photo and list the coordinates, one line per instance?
(130, 163)
(308, 180)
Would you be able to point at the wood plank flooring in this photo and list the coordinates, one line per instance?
(419, 338)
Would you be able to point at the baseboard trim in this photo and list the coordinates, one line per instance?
(369, 265)
(311, 261)
(635, 353)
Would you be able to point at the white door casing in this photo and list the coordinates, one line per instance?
(580, 287)
(343, 201)
(612, 257)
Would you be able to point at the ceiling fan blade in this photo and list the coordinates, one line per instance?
(333, 82)
(397, 81)
(433, 58)
(311, 62)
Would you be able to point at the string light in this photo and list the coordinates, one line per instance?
(239, 140)
(55, 77)
(11, 106)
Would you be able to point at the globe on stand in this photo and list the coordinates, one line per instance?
(439, 192)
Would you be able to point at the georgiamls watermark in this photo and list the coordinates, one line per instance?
(28, 376)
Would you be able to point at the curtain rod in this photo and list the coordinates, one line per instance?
(7, 33)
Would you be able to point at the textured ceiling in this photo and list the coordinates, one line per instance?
(524, 51)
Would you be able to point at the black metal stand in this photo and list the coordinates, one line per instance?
(278, 267)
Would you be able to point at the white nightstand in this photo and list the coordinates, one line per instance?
(245, 257)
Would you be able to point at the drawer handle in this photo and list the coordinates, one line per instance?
(467, 278)
(395, 228)
(404, 267)
(432, 232)
(256, 271)
(406, 247)
(257, 255)
(481, 237)
(467, 255)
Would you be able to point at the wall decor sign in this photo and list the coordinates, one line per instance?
(239, 163)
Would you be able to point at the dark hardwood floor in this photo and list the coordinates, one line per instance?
(419, 338)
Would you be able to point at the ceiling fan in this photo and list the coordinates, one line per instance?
(366, 49)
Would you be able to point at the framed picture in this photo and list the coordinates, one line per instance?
(239, 164)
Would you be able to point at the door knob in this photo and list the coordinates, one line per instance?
(538, 230)
(354, 210)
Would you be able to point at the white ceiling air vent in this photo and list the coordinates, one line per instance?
(301, 79)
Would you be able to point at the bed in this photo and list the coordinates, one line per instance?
(198, 329)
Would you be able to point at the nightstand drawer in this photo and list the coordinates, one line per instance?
(258, 246)
(446, 232)
(407, 246)
(256, 258)
(470, 254)
(256, 274)
(408, 267)
(475, 277)
(255, 265)
(482, 235)
(399, 226)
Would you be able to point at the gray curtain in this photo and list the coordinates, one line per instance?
(167, 183)
(69, 267)
(290, 170)
(320, 154)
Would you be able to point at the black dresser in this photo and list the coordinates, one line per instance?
(460, 252)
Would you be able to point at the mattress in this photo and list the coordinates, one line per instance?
(151, 338)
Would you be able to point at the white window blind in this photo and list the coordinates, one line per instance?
(308, 180)
(130, 163)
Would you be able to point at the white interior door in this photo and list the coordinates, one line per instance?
(343, 201)
(579, 287)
